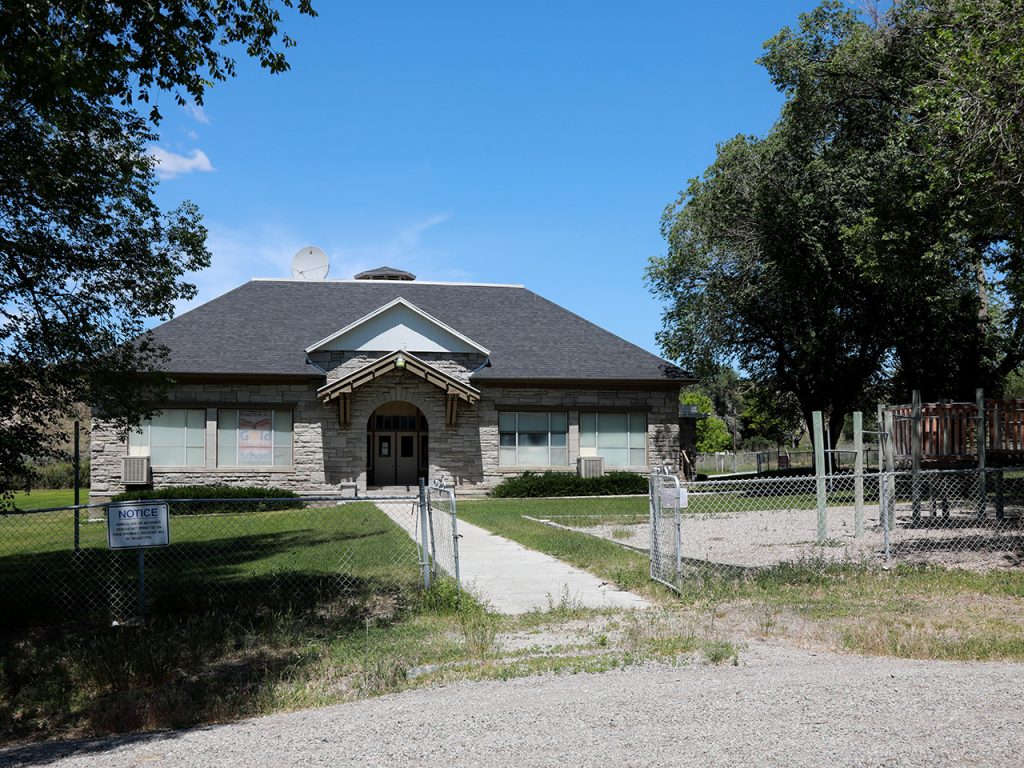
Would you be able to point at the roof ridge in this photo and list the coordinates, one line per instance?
(405, 283)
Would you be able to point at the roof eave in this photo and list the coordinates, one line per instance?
(528, 381)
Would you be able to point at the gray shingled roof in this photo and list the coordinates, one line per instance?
(263, 326)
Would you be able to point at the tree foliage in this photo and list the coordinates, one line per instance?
(712, 432)
(865, 242)
(87, 255)
(772, 418)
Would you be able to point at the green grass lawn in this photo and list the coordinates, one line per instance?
(213, 559)
(258, 612)
(44, 499)
(239, 606)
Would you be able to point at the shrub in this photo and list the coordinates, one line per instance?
(226, 492)
(530, 485)
(59, 474)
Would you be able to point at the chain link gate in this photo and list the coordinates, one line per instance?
(442, 533)
(666, 495)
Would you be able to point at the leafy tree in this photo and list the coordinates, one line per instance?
(1014, 386)
(966, 74)
(944, 249)
(828, 258)
(773, 417)
(726, 390)
(87, 255)
(712, 433)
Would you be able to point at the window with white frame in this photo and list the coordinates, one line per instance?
(176, 437)
(532, 439)
(621, 438)
(254, 438)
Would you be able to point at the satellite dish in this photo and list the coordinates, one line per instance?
(310, 263)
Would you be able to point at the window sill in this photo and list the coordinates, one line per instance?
(224, 470)
(520, 470)
(642, 469)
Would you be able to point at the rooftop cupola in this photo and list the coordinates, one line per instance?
(385, 273)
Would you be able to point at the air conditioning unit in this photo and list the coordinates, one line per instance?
(590, 466)
(135, 470)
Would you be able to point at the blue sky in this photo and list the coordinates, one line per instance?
(527, 142)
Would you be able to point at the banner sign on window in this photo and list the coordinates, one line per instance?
(256, 437)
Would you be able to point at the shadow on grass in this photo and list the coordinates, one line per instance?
(1010, 546)
(230, 617)
(101, 585)
(202, 657)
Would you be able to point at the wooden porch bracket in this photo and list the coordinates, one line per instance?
(451, 411)
(345, 410)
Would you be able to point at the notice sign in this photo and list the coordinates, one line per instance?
(670, 500)
(138, 524)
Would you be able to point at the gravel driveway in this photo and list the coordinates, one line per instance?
(780, 706)
(759, 538)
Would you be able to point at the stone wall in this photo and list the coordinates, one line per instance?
(455, 454)
(317, 443)
(661, 406)
(326, 455)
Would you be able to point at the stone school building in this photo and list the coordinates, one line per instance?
(328, 385)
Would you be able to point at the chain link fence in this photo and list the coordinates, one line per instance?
(969, 519)
(57, 565)
(738, 462)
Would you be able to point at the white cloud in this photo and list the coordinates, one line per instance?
(171, 164)
(409, 238)
(198, 114)
(239, 255)
(403, 249)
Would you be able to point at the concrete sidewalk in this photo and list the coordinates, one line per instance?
(514, 579)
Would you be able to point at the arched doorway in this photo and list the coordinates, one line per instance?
(396, 445)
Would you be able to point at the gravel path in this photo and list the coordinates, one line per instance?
(780, 706)
(761, 538)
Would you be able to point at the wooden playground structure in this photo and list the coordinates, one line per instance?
(948, 435)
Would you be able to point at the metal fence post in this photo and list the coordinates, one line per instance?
(433, 538)
(142, 586)
(888, 444)
(883, 508)
(78, 486)
(915, 455)
(424, 535)
(1000, 499)
(455, 536)
(981, 437)
(652, 493)
(678, 536)
(858, 474)
(819, 471)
